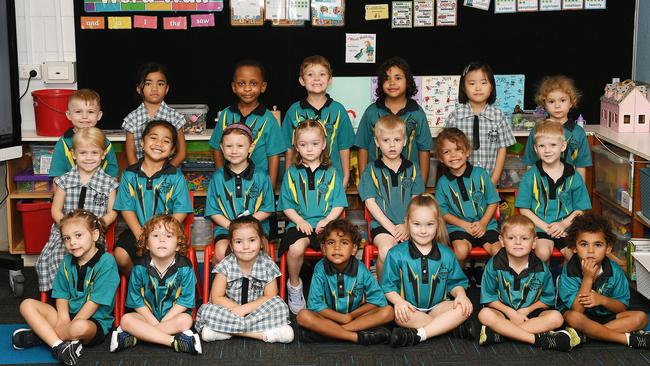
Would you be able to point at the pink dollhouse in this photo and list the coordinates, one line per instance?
(625, 107)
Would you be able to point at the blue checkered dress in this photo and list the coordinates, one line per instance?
(137, 120)
(272, 314)
(494, 132)
(96, 201)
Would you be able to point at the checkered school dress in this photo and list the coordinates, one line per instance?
(136, 121)
(95, 200)
(494, 132)
(274, 313)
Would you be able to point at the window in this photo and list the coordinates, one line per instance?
(641, 119)
(626, 119)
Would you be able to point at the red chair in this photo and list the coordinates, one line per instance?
(191, 255)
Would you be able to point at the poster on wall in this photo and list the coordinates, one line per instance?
(446, 12)
(423, 13)
(246, 12)
(510, 93)
(550, 5)
(595, 4)
(478, 4)
(328, 13)
(527, 5)
(360, 48)
(505, 6)
(439, 96)
(402, 14)
(91, 6)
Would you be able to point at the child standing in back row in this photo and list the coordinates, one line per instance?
(559, 96)
(395, 91)
(248, 83)
(84, 111)
(486, 127)
(316, 76)
(152, 86)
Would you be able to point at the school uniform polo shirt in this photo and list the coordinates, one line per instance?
(517, 290)
(611, 283)
(495, 132)
(232, 195)
(343, 292)
(160, 293)
(95, 281)
(418, 135)
(267, 136)
(136, 122)
(333, 116)
(312, 194)
(424, 280)
(165, 192)
(577, 153)
(467, 196)
(63, 162)
(552, 201)
(392, 190)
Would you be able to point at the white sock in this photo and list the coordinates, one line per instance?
(627, 335)
(58, 341)
(299, 287)
(119, 329)
(422, 334)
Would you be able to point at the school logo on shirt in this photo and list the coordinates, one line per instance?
(534, 285)
(100, 199)
(564, 197)
(493, 135)
(322, 188)
(443, 273)
(607, 289)
(407, 183)
(358, 290)
(573, 144)
(164, 187)
(477, 197)
(254, 191)
(411, 123)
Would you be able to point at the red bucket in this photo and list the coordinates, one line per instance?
(49, 111)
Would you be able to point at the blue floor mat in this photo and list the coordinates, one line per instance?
(9, 355)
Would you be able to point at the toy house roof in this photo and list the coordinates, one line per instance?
(629, 91)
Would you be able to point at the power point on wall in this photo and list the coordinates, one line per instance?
(27, 71)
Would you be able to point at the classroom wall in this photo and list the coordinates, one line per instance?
(642, 52)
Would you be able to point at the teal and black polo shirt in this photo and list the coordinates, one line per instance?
(392, 190)
(577, 153)
(267, 136)
(312, 194)
(95, 281)
(232, 195)
(467, 196)
(163, 193)
(333, 117)
(147, 288)
(552, 201)
(344, 291)
(611, 283)
(418, 134)
(424, 280)
(517, 290)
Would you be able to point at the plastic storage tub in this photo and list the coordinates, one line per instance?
(41, 157)
(645, 192)
(195, 117)
(37, 221)
(613, 176)
(27, 181)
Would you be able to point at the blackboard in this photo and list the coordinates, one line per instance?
(590, 46)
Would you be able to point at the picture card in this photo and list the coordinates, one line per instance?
(550, 5)
(360, 48)
(505, 6)
(478, 4)
(423, 13)
(446, 12)
(402, 14)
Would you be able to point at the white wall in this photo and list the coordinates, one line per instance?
(44, 32)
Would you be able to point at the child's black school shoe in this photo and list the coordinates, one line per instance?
(187, 342)
(577, 338)
(25, 338)
(639, 339)
(307, 336)
(469, 330)
(559, 341)
(403, 337)
(489, 337)
(121, 340)
(67, 352)
(378, 335)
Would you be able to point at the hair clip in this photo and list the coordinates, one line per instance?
(240, 126)
(466, 70)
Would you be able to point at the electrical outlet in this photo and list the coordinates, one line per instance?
(23, 71)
